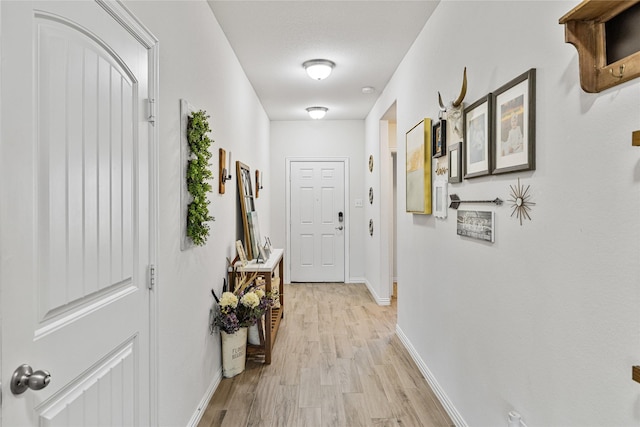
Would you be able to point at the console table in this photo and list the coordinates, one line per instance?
(267, 270)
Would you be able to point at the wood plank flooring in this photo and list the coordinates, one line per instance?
(336, 362)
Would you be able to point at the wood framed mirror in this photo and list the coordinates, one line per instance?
(248, 210)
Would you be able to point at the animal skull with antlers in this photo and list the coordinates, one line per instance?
(455, 108)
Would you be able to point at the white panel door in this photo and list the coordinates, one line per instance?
(75, 245)
(318, 222)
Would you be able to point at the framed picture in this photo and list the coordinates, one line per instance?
(514, 122)
(476, 224)
(455, 162)
(263, 254)
(242, 255)
(477, 138)
(267, 247)
(418, 168)
(440, 198)
(439, 138)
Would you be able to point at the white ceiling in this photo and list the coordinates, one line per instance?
(366, 39)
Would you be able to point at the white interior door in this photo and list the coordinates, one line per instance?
(318, 221)
(75, 247)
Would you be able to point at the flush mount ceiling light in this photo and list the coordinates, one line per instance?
(317, 112)
(318, 69)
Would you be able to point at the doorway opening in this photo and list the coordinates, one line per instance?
(388, 154)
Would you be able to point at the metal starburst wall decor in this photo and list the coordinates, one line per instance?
(521, 204)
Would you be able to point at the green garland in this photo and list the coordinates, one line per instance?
(198, 173)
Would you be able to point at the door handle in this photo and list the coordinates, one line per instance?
(339, 228)
(24, 378)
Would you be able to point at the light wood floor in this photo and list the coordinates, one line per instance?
(336, 362)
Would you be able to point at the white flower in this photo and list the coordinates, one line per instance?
(250, 299)
(260, 293)
(228, 299)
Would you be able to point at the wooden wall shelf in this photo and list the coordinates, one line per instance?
(585, 28)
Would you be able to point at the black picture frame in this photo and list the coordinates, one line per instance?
(514, 125)
(477, 120)
(439, 138)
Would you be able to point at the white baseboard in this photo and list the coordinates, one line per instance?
(195, 418)
(356, 280)
(376, 297)
(442, 396)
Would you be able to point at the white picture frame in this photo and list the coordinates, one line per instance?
(440, 188)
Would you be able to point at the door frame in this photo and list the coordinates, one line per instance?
(131, 23)
(287, 203)
(387, 146)
(120, 13)
(2, 379)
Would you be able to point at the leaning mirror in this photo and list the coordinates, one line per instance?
(250, 223)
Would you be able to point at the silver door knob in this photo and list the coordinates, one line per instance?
(24, 378)
(339, 228)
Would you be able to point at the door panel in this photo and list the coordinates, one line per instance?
(328, 250)
(85, 178)
(317, 242)
(102, 396)
(75, 166)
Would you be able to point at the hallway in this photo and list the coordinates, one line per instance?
(336, 362)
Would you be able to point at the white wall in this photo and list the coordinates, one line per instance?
(197, 64)
(544, 320)
(320, 138)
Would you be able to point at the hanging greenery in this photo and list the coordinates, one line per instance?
(198, 175)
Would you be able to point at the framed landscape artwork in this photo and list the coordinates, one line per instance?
(418, 168)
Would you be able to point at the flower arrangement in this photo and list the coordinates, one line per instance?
(242, 308)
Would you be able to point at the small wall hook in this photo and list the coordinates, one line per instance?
(621, 72)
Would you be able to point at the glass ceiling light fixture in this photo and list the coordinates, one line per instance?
(317, 113)
(318, 69)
